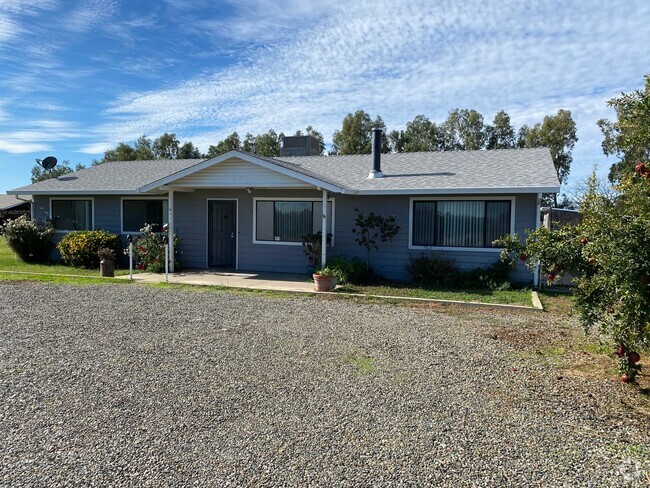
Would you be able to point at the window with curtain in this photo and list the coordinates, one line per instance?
(136, 213)
(70, 215)
(289, 221)
(459, 223)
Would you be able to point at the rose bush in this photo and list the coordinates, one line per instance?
(149, 250)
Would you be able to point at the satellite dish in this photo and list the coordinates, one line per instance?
(49, 162)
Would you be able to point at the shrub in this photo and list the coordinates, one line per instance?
(494, 277)
(29, 240)
(432, 270)
(354, 271)
(80, 248)
(149, 250)
(429, 269)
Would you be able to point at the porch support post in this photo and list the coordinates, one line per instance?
(538, 211)
(323, 253)
(170, 223)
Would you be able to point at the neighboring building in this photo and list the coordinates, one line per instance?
(13, 206)
(247, 212)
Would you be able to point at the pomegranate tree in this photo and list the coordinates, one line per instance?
(609, 256)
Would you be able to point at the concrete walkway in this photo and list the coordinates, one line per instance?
(258, 281)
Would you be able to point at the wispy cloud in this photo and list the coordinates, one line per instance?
(89, 14)
(96, 148)
(399, 59)
(37, 135)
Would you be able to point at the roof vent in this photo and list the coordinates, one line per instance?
(300, 146)
(376, 154)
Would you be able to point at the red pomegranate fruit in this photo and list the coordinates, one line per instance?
(634, 357)
(625, 378)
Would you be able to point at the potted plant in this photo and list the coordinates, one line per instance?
(106, 263)
(324, 279)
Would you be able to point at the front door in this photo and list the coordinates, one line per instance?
(222, 233)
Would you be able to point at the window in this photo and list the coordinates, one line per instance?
(137, 213)
(459, 223)
(287, 221)
(68, 215)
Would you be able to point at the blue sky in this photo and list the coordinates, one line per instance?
(76, 77)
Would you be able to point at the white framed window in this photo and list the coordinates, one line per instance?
(460, 223)
(287, 220)
(70, 214)
(136, 212)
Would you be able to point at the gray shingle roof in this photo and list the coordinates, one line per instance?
(122, 176)
(506, 168)
(491, 171)
(11, 201)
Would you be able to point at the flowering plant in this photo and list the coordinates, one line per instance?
(149, 249)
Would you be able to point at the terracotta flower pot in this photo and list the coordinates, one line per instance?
(322, 282)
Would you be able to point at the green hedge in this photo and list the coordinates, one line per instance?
(79, 248)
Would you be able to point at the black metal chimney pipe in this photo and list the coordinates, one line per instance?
(376, 153)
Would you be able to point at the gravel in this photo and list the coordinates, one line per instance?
(131, 385)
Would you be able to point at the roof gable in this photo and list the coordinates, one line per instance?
(235, 172)
(283, 168)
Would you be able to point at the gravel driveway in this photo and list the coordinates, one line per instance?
(130, 385)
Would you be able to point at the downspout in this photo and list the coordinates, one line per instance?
(323, 252)
(538, 222)
(170, 224)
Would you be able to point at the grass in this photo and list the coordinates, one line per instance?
(556, 303)
(10, 262)
(503, 297)
(364, 365)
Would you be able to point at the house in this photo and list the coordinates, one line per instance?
(13, 206)
(246, 212)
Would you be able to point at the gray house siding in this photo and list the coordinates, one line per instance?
(390, 260)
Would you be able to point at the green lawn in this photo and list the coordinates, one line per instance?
(10, 262)
(506, 297)
(11, 268)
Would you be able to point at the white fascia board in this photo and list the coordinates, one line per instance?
(456, 191)
(244, 157)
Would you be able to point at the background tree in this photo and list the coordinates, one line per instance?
(143, 149)
(121, 152)
(463, 130)
(166, 146)
(228, 144)
(189, 151)
(558, 133)
(628, 138)
(268, 144)
(420, 135)
(248, 144)
(501, 134)
(355, 136)
(39, 173)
